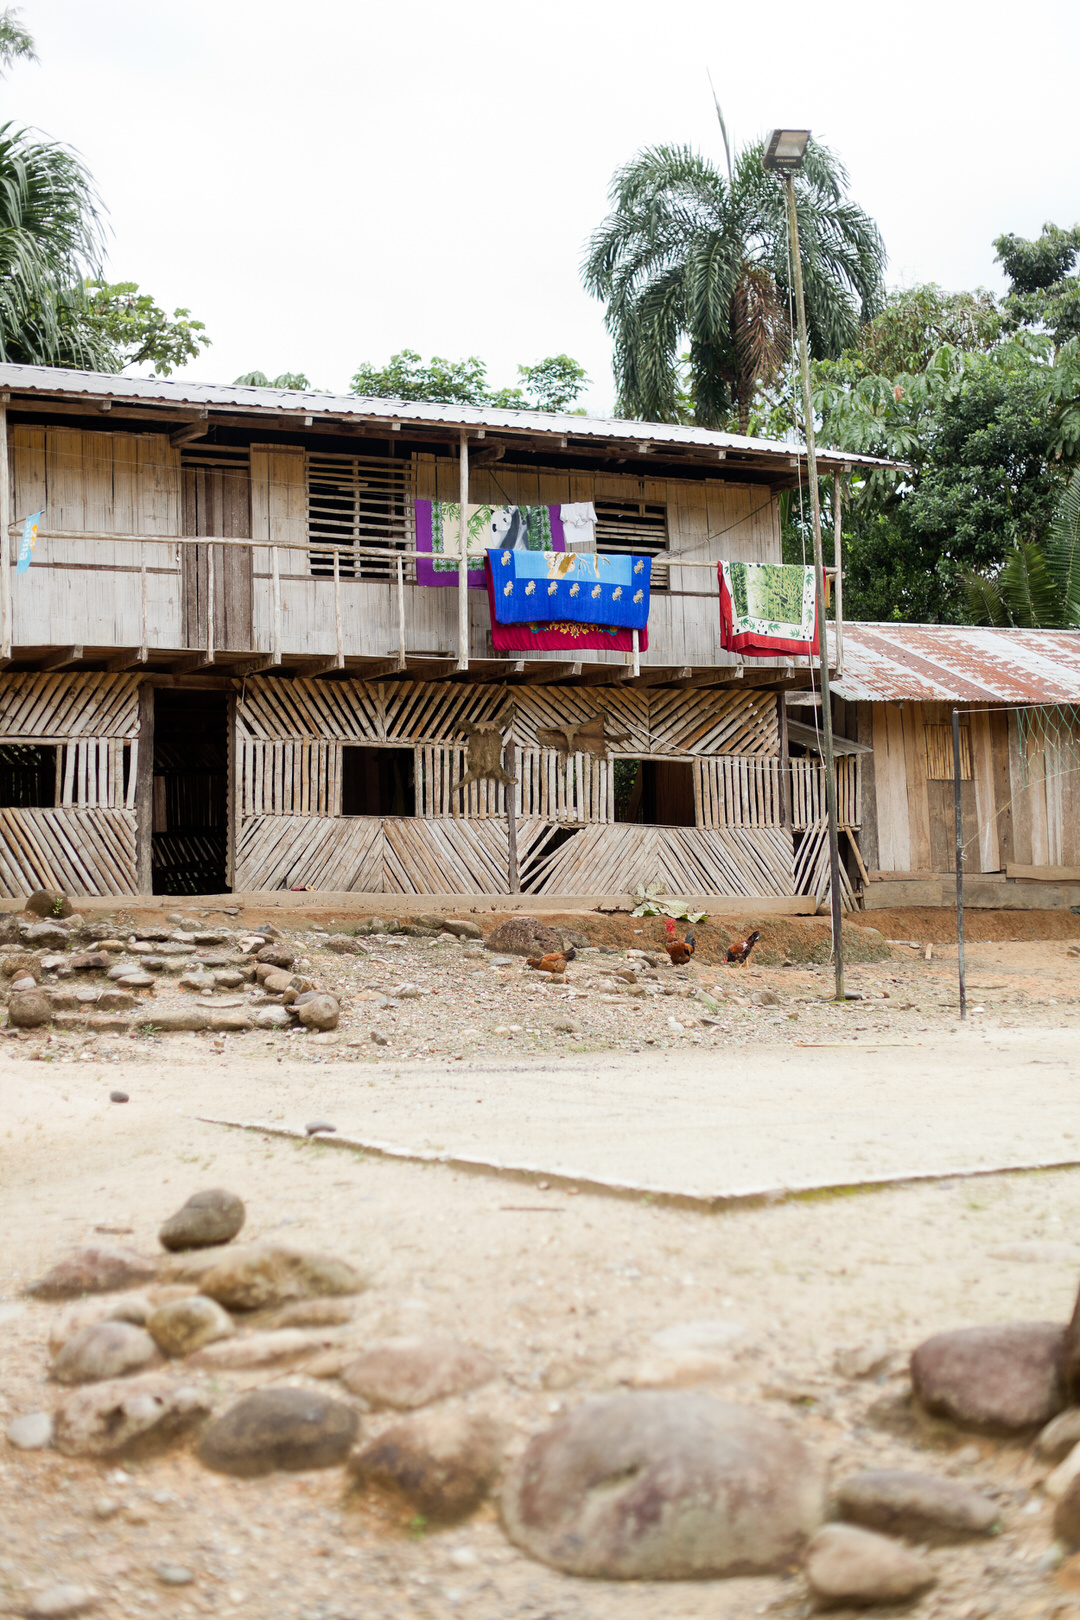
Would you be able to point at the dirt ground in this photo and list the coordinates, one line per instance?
(572, 1292)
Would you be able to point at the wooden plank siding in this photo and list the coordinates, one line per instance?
(1020, 793)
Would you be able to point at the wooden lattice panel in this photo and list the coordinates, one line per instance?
(808, 801)
(91, 775)
(61, 706)
(279, 852)
(550, 786)
(690, 860)
(446, 857)
(557, 707)
(734, 791)
(813, 867)
(714, 722)
(289, 778)
(76, 851)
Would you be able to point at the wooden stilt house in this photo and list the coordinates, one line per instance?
(222, 672)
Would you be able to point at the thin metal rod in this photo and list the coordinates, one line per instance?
(819, 569)
(463, 551)
(961, 968)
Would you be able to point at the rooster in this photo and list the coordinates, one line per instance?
(740, 951)
(680, 950)
(553, 962)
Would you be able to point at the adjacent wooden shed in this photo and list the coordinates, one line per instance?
(1019, 696)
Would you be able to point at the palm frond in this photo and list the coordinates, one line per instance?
(1062, 551)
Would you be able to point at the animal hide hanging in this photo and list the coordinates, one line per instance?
(590, 738)
(484, 751)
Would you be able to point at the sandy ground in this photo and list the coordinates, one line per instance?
(569, 1288)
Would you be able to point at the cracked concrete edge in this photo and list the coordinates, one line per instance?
(667, 1197)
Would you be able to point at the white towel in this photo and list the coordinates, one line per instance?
(579, 525)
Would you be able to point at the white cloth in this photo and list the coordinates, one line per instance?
(579, 525)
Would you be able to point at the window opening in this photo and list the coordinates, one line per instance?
(378, 782)
(27, 776)
(659, 793)
(638, 526)
(358, 501)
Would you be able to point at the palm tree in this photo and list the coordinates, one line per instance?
(689, 255)
(1038, 586)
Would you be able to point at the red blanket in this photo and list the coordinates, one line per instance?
(557, 636)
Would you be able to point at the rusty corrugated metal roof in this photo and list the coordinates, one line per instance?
(293, 404)
(944, 663)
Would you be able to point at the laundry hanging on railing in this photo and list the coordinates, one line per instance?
(551, 635)
(767, 609)
(578, 587)
(510, 528)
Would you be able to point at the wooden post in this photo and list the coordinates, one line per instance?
(510, 766)
(959, 819)
(276, 571)
(785, 761)
(337, 610)
(838, 578)
(637, 654)
(144, 793)
(144, 648)
(401, 613)
(209, 604)
(5, 538)
(463, 551)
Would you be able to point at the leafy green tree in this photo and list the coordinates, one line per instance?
(1042, 293)
(259, 379)
(16, 44)
(550, 385)
(691, 258)
(1038, 586)
(138, 331)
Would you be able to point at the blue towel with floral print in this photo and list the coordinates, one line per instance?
(577, 587)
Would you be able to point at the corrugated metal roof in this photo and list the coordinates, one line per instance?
(935, 663)
(284, 401)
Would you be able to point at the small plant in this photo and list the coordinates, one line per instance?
(58, 906)
(149, 1030)
(418, 1527)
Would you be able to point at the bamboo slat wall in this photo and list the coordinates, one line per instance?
(60, 707)
(808, 803)
(412, 712)
(1020, 801)
(76, 851)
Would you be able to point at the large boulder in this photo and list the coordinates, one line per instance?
(279, 1429)
(410, 1372)
(49, 903)
(850, 1568)
(922, 1507)
(664, 1486)
(126, 1416)
(997, 1380)
(29, 1009)
(93, 1271)
(249, 1279)
(440, 1463)
(104, 1350)
(208, 1218)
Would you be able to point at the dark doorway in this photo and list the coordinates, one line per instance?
(660, 794)
(378, 782)
(191, 796)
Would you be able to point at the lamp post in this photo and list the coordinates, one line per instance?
(783, 155)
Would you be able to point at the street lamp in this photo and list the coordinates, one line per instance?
(783, 155)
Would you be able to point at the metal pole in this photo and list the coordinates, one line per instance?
(463, 551)
(819, 571)
(510, 789)
(838, 576)
(959, 862)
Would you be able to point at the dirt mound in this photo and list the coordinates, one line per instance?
(527, 936)
(938, 924)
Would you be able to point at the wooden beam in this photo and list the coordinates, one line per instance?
(323, 666)
(190, 662)
(551, 672)
(463, 551)
(61, 658)
(124, 660)
(194, 428)
(144, 793)
(252, 666)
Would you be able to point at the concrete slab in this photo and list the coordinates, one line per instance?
(714, 1126)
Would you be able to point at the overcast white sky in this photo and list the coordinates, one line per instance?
(326, 183)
